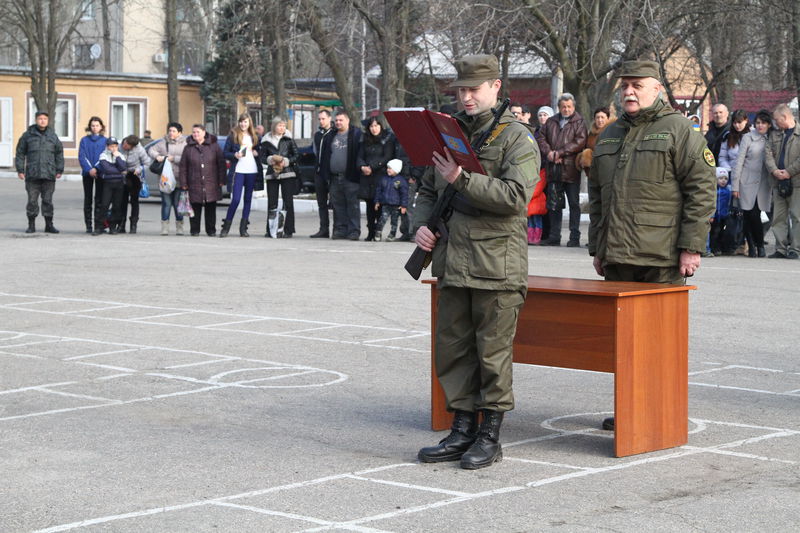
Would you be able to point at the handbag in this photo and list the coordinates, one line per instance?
(784, 188)
(144, 192)
(556, 199)
(157, 166)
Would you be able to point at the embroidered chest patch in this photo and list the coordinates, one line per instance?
(709, 157)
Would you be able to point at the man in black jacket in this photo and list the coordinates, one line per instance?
(338, 156)
(40, 162)
(321, 184)
(717, 128)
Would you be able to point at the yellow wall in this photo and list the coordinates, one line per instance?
(143, 36)
(93, 98)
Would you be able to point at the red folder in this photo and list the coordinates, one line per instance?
(422, 132)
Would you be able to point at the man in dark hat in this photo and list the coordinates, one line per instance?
(482, 266)
(652, 188)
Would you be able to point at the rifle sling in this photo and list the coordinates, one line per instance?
(459, 201)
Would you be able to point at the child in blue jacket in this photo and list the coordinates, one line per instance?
(111, 169)
(720, 239)
(391, 197)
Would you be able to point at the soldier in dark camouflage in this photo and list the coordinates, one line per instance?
(482, 267)
(652, 188)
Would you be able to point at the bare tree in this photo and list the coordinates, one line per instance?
(171, 32)
(45, 29)
(389, 21)
(317, 24)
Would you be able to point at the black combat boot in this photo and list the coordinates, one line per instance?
(88, 222)
(226, 227)
(31, 225)
(121, 227)
(486, 450)
(452, 447)
(243, 228)
(48, 225)
(134, 221)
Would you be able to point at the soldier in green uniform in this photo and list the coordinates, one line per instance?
(652, 188)
(482, 266)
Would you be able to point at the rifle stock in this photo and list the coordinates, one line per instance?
(418, 261)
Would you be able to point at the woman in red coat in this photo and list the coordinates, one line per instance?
(537, 207)
(203, 175)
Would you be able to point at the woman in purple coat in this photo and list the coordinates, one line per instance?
(203, 175)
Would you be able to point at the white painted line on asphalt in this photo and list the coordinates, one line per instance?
(72, 395)
(89, 355)
(281, 376)
(426, 507)
(107, 367)
(305, 330)
(34, 343)
(34, 387)
(23, 355)
(743, 455)
(281, 514)
(743, 389)
(113, 376)
(105, 519)
(741, 425)
(201, 363)
(163, 315)
(580, 472)
(105, 308)
(708, 371)
(35, 302)
(246, 318)
(57, 411)
(375, 341)
(609, 468)
(209, 326)
(423, 488)
(546, 463)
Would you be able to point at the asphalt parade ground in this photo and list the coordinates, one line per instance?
(196, 384)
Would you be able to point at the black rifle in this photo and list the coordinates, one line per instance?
(443, 209)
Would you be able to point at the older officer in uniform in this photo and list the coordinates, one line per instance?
(652, 188)
(482, 266)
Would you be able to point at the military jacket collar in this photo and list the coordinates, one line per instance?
(648, 114)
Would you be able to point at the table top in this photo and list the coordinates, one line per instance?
(595, 287)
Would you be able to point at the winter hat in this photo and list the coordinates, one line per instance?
(111, 140)
(546, 109)
(396, 165)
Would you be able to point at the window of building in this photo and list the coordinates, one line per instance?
(82, 57)
(63, 119)
(87, 9)
(127, 116)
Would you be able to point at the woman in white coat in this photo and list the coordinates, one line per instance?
(751, 184)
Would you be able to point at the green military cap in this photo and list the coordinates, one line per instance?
(640, 69)
(476, 69)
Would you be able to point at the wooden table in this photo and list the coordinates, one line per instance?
(637, 331)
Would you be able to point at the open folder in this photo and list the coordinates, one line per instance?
(422, 132)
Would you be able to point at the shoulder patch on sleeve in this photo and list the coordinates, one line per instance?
(709, 157)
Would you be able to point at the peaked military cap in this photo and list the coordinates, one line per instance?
(640, 69)
(476, 69)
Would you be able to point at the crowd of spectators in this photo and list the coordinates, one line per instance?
(757, 158)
